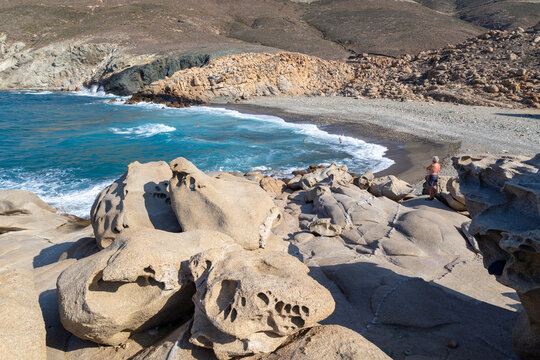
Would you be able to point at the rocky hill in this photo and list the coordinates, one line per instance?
(63, 44)
(498, 68)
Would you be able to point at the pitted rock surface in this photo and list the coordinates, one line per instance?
(248, 302)
(503, 196)
(229, 204)
(138, 200)
(136, 283)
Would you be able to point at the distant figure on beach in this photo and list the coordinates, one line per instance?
(304, 139)
(433, 177)
(341, 142)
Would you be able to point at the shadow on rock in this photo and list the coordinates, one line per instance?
(406, 315)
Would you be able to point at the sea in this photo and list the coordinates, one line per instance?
(68, 146)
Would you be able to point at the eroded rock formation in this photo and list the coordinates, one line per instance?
(134, 284)
(23, 210)
(249, 301)
(503, 196)
(138, 200)
(232, 205)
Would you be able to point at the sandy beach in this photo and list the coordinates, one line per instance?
(412, 131)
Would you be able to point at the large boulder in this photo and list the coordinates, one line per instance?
(502, 195)
(23, 210)
(330, 175)
(229, 204)
(22, 330)
(137, 200)
(391, 187)
(273, 186)
(249, 302)
(136, 283)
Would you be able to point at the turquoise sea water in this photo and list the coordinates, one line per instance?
(66, 147)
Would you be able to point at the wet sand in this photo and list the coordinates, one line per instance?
(412, 131)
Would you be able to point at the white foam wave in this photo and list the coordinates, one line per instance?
(59, 188)
(93, 91)
(145, 130)
(359, 151)
(44, 92)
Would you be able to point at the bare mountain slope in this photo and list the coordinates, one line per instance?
(491, 14)
(323, 28)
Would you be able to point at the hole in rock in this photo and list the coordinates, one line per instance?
(263, 299)
(296, 309)
(305, 310)
(233, 315)
(521, 256)
(227, 311)
(528, 248)
(496, 267)
(149, 270)
(279, 306)
(226, 293)
(243, 301)
(298, 321)
(288, 308)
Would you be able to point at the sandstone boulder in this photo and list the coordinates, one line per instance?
(232, 205)
(324, 227)
(23, 210)
(365, 180)
(250, 302)
(22, 330)
(503, 197)
(138, 200)
(134, 284)
(391, 187)
(332, 174)
(273, 186)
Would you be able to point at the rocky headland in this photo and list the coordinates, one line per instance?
(498, 68)
(180, 264)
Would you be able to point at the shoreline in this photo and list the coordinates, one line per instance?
(410, 153)
(412, 131)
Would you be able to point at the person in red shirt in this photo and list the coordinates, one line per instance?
(433, 177)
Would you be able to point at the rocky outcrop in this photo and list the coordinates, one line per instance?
(390, 187)
(249, 302)
(138, 200)
(412, 236)
(502, 195)
(245, 75)
(23, 210)
(134, 284)
(229, 204)
(63, 65)
(131, 80)
(498, 68)
(22, 329)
